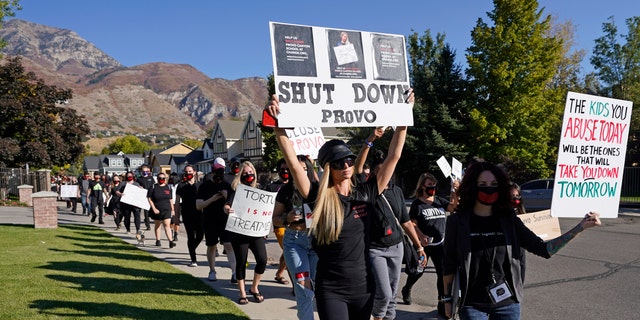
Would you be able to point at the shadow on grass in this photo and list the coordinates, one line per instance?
(56, 308)
(110, 254)
(130, 280)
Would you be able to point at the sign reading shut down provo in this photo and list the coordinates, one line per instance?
(339, 78)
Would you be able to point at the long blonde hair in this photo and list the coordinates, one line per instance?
(328, 214)
(236, 179)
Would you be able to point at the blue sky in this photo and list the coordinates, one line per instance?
(230, 39)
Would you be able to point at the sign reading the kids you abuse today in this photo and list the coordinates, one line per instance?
(593, 145)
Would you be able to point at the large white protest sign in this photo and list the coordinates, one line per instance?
(135, 196)
(456, 169)
(593, 145)
(339, 78)
(68, 191)
(306, 140)
(253, 209)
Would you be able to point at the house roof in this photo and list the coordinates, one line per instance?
(194, 156)
(92, 162)
(332, 133)
(232, 129)
(163, 159)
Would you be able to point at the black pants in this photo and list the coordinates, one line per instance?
(241, 246)
(195, 232)
(347, 308)
(125, 213)
(99, 203)
(434, 253)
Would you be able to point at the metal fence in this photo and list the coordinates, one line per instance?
(11, 178)
(630, 192)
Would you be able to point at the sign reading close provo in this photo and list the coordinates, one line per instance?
(339, 78)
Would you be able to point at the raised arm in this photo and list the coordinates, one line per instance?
(364, 151)
(297, 171)
(591, 219)
(395, 151)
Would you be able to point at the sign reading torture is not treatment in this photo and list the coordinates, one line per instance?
(339, 78)
(591, 156)
(252, 211)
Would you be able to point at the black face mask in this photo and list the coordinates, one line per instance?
(488, 195)
(218, 175)
(248, 178)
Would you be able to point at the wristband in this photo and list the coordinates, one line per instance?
(420, 249)
(369, 144)
(446, 299)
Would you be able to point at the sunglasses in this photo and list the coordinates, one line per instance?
(339, 164)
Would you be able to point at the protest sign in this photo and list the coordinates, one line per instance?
(593, 145)
(252, 211)
(542, 224)
(456, 169)
(306, 140)
(339, 78)
(68, 191)
(444, 166)
(135, 196)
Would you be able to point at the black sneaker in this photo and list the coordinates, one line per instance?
(158, 243)
(171, 244)
(175, 236)
(406, 295)
(233, 279)
(93, 218)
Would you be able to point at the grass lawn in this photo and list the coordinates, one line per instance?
(83, 272)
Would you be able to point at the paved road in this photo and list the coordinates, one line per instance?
(594, 277)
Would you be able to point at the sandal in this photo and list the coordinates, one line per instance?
(281, 280)
(257, 296)
(243, 300)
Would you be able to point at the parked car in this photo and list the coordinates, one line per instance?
(537, 194)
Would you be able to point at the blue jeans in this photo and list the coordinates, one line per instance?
(386, 264)
(301, 262)
(86, 205)
(508, 312)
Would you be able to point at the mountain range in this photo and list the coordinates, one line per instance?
(152, 98)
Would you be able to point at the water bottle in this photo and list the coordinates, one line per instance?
(420, 268)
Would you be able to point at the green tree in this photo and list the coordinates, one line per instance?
(511, 64)
(193, 143)
(272, 152)
(617, 69)
(7, 9)
(34, 128)
(129, 144)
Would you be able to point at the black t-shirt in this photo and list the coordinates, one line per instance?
(187, 193)
(285, 196)
(146, 182)
(96, 187)
(275, 186)
(161, 197)
(343, 268)
(431, 218)
(488, 251)
(385, 230)
(214, 211)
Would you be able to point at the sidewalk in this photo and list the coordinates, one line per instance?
(279, 302)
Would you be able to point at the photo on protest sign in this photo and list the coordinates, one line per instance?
(252, 211)
(591, 156)
(135, 196)
(345, 51)
(361, 83)
(306, 141)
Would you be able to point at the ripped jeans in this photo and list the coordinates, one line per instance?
(301, 262)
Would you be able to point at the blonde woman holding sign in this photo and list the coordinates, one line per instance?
(340, 227)
(243, 243)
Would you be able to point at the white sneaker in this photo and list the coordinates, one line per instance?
(212, 275)
(193, 264)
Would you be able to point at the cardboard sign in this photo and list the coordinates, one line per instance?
(542, 224)
(68, 191)
(135, 196)
(593, 145)
(339, 78)
(253, 209)
(306, 140)
(456, 169)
